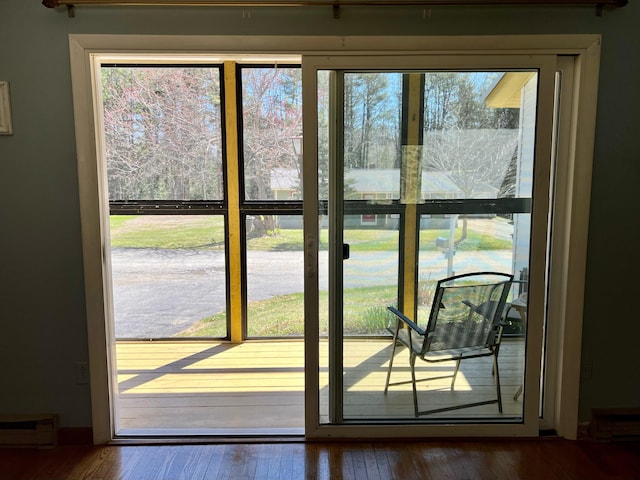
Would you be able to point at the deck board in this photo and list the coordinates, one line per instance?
(260, 385)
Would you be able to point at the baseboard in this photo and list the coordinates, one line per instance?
(615, 424)
(29, 430)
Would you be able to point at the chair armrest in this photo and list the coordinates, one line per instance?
(469, 304)
(484, 309)
(410, 323)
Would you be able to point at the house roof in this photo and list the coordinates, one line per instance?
(388, 181)
(474, 161)
(507, 90)
(374, 181)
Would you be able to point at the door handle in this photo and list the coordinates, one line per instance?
(345, 251)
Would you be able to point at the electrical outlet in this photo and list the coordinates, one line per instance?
(82, 373)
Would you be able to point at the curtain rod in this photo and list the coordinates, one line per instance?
(284, 3)
(336, 4)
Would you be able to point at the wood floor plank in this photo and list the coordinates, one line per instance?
(549, 459)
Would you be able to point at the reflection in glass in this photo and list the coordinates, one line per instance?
(372, 135)
(456, 244)
(473, 143)
(370, 274)
(476, 144)
(411, 143)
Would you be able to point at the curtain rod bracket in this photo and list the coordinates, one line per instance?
(71, 11)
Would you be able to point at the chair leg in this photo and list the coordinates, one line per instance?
(412, 362)
(455, 372)
(393, 354)
(497, 375)
(518, 393)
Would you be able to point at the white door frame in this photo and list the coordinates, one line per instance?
(571, 259)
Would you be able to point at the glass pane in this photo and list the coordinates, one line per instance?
(409, 138)
(372, 135)
(323, 315)
(370, 274)
(478, 134)
(370, 286)
(272, 132)
(458, 244)
(163, 132)
(275, 276)
(455, 244)
(323, 135)
(168, 274)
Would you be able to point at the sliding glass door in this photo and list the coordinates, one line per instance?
(431, 168)
(424, 157)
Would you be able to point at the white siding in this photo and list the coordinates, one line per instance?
(524, 183)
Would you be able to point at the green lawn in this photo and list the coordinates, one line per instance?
(364, 309)
(364, 313)
(207, 232)
(167, 231)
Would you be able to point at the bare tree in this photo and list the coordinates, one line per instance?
(477, 161)
(371, 130)
(162, 132)
(272, 116)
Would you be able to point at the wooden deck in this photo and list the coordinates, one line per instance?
(258, 387)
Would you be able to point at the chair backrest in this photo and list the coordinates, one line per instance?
(467, 311)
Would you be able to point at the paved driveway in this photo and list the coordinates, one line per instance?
(159, 293)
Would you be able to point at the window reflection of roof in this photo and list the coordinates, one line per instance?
(372, 180)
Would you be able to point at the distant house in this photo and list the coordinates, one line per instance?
(477, 160)
(371, 184)
(374, 185)
(285, 184)
(519, 90)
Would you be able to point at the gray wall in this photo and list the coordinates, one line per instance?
(42, 309)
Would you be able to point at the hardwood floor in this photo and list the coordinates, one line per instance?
(258, 387)
(544, 459)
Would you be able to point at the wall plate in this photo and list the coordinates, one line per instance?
(5, 110)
